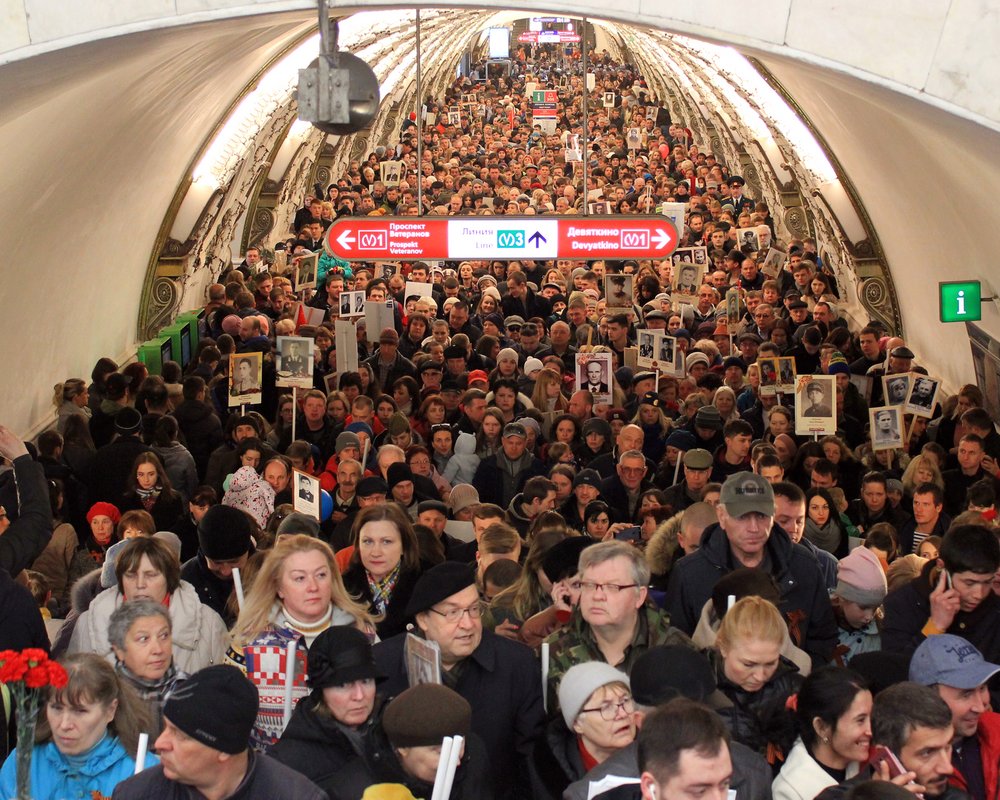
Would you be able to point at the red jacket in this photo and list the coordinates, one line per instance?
(989, 749)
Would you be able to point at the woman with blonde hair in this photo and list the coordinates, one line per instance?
(87, 736)
(754, 676)
(921, 469)
(548, 395)
(725, 401)
(297, 595)
(70, 399)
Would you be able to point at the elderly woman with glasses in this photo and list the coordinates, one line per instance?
(597, 721)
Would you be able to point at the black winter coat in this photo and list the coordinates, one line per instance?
(804, 599)
(202, 431)
(314, 744)
(501, 682)
(908, 609)
(111, 467)
(556, 762)
(29, 534)
(395, 622)
(488, 480)
(757, 719)
(166, 510)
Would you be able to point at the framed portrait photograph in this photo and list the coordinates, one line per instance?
(786, 374)
(609, 99)
(688, 277)
(669, 358)
(646, 348)
(619, 291)
(923, 396)
(391, 172)
(747, 237)
(633, 139)
(305, 271)
(352, 304)
(294, 361)
(573, 150)
(599, 207)
(594, 374)
(773, 262)
(700, 255)
(886, 427)
(245, 378)
(896, 388)
(732, 308)
(815, 405)
(305, 494)
(768, 376)
(330, 382)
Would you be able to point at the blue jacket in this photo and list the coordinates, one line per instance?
(55, 777)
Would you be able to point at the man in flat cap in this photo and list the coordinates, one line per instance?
(816, 396)
(497, 676)
(204, 748)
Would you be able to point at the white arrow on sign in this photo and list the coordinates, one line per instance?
(662, 239)
(345, 239)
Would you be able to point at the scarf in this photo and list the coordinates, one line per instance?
(148, 497)
(825, 538)
(382, 589)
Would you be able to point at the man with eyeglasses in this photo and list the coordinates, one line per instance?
(746, 536)
(498, 676)
(613, 621)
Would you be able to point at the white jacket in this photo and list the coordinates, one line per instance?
(802, 778)
(199, 634)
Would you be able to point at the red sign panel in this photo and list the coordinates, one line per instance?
(510, 238)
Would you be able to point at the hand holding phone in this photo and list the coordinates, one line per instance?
(945, 602)
(887, 767)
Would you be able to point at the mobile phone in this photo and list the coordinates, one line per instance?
(633, 534)
(882, 754)
(947, 579)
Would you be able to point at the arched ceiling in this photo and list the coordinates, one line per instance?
(104, 135)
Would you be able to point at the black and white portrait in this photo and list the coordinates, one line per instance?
(666, 355)
(886, 424)
(618, 291)
(923, 394)
(245, 379)
(593, 374)
(294, 361)
(647, 348)
(815, 405)
(747, 238)
(306, 498)
(895, 389)
(768, 375)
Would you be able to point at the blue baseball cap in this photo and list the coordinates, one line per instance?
(951, 661)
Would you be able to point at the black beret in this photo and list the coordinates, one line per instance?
(224, 533)
(562, 559)
(439, 583)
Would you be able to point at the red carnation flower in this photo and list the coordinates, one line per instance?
(35, 655)
(36, 678)
(57, 675)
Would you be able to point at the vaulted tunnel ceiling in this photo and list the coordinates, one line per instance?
(105, 135)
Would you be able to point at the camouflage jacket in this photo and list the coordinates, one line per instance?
(576, 644)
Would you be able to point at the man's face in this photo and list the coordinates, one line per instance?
(276, 474)
(433, 519)
(925, 510)
(972, 588)
(970, 456)
(347, 480)
(869, 345)
(631, 471)
(601, 607)
(514, 446)
(594, 373)
(747, 534)
(967, 706)
(883, 420)
(314, 409)
(739, 445)
(791, 516)
(184, 759)
(697, 777)
(459, 639)
(927, 753)
(402, 493)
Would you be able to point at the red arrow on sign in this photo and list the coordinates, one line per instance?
(499, 238)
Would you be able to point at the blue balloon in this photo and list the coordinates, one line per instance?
(325, 504)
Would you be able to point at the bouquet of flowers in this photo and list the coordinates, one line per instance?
(27, 674)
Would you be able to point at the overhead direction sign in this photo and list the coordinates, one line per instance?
(499, 238)
(961, 301)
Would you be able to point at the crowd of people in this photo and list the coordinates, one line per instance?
(641, 582)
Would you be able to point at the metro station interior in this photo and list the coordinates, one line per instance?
(147, 144)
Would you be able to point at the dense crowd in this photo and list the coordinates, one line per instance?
(764, 562)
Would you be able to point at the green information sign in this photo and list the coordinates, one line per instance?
(961, 301)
